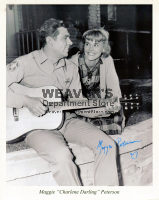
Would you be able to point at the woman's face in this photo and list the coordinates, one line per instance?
(93, 49)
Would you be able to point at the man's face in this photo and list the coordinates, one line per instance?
(93, 49)
(61, 43)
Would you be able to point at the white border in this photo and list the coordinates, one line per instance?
(126, 192)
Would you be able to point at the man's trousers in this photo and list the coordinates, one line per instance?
(51, 145)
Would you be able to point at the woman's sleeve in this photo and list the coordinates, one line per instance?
(112, 80)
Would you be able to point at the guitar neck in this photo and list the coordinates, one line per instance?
(82, 104)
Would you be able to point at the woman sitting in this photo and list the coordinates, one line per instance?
(99, 80)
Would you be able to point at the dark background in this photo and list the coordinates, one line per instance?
(130, 32)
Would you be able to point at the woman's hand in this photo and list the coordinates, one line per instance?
(116, 106)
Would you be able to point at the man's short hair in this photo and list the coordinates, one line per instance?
(49, 28)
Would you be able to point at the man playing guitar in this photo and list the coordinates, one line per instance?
(49, 67)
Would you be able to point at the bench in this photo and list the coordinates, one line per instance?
(25, 167)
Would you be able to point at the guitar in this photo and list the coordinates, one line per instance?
(22, 121)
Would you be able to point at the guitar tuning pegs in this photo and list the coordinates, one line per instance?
(130, 95)
(131, 107)
(125, 97)
(136, 96)
(126, 108)
(132, 103)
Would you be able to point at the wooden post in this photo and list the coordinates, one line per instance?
(94, 18)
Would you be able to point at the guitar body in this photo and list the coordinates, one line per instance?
(26, 121)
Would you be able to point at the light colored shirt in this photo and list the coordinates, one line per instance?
(36, 70)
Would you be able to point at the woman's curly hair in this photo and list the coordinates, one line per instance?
(99, 35)
(49, 28)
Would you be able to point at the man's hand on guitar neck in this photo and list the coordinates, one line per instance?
(35, 105)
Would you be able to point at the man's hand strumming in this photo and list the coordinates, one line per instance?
(35, 105)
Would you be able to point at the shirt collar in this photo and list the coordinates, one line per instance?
(43, 58)
(60, 63)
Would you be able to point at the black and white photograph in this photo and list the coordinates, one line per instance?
(79, 96)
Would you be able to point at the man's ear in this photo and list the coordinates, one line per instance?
(49, 40)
